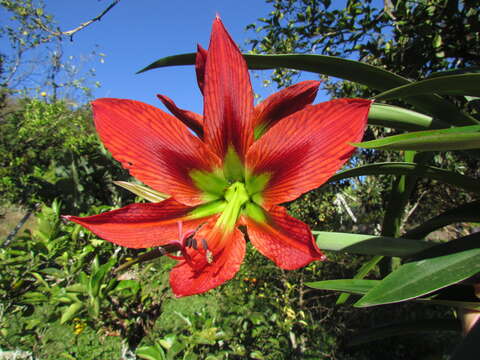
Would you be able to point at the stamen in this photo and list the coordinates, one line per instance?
(209, 256)
(204, 244)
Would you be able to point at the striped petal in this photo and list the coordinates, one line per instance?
(228, 96)
(193, 120)
(205, 271)
(302, 151)
(141, 225)
(282, 104)
(154, 146)
(200, 61)
(288, 242)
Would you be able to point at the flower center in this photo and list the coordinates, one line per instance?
(235, 196)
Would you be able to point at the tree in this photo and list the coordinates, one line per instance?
(34, 40)
(409, 38)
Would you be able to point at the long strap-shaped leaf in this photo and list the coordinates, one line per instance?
(370, 244)
(400, 118)
(465, 213)
(424, 276)
(351, 70)
(462, 84)
(462, 296)
(405, 328)
(406, 168)
(457, 138)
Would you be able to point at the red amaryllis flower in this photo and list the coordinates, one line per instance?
(227, 179)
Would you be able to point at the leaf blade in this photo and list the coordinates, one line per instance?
(459, 84)
(369, 244)
(456, 138)
(351, 70)
(407, 168)
(424, 276)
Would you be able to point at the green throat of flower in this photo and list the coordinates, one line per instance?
(236, 197)
(232, 192)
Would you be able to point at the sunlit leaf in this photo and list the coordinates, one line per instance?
(399, 118)
(460, 84)
(369, 244)
(154, 352)
(352, 286)
(405, 168)
(351, 70)
(456, 138)
(425, 276)
(70, 312)
(143, 191)
(361, 273)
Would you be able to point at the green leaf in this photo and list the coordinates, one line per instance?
(454, 72)
(460, 84)
(132, 285)
(361, 273)
(407, 168)
(329, 65)
(76, 288)
(168, 340)
(422, 277)
(351, 70)
(352, 286)
(98, 275)
(399, 118)
(457, 138)
(451, 296)
(458, 296)
(143, 191)
(369, 244)
(465, 213)
(71, 311)
(413, 327)
(154, 352)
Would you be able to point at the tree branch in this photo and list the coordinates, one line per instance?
(82, 26)
(70, 33)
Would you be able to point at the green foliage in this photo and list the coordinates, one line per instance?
(412, 39)
(48, 150)
(62, 298)
(61, 277)
(29, 32)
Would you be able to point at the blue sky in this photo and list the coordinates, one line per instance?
(136, 33)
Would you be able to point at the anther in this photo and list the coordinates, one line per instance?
(209, 256)
(191, 242)
(204, 244)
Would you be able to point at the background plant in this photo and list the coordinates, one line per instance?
(411, 200)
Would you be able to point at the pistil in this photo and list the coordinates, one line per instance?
(236, 196)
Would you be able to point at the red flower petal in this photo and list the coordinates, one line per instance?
(154, 146)
(303, 150)
(140, 225)
(193, 120)
(285, 240)
(283, 103)
(228, 96)
(227, 257)
(200, 61)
